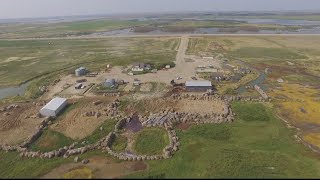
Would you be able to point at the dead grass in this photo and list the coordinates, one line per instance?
(75, 125)
(200, 106)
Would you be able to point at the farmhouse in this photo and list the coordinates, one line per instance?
(138, 67)
(54, 107)
(81, 71)
(201, 86)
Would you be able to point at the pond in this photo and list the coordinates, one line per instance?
(13, 91)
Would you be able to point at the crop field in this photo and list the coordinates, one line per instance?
(23, 60)
(251, 147)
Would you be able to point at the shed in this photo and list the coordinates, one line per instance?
(54, 107)
(198, 86)
(110, 83)
(81, 71)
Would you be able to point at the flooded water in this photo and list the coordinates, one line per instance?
(13, 91)
(262, 77)
(134, 125)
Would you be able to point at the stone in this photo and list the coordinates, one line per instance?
(85, 161)
(76, 159)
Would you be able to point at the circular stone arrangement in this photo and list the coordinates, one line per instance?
(164, 119)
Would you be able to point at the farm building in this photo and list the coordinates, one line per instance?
(138, 67)
(198, 86)
(110, 83)
(81, 71)
(54, 107)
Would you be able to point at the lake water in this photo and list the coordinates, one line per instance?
(13, 91)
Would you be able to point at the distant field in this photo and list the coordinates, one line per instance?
(23, 60)
(65, 28)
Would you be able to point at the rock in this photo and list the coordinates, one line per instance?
(85, 161)
(76, 159)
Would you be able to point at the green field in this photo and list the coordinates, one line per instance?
(23, 60)
(259, 147)
(63, 29)
(151, 141)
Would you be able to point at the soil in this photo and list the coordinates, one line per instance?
(77, 126)
(183, 126)
(201, 106)
(15, 127)
(101, 167)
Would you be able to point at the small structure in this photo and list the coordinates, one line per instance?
(139, 67)
(201, 86)
(54, 107)
(280, 80)
(81, 71)
(168, 66)
(110, 83)
(136, 82)
(218, 76)
(78, 86)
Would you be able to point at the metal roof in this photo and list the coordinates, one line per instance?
(55, 103)
(198, 83)
(81, 69)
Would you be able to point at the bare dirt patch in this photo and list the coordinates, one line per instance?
(75, 125)
(200, 106)
(183, 126)
(101, 168)
(15, 127)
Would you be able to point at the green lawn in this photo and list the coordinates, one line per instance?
(251, 147)
(151, 141)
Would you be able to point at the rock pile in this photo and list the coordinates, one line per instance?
(92, 113)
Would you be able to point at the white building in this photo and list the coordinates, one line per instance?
(139, 67)
(54, 107)
(198, 86)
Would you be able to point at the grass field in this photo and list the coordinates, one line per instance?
(151, 141)
(65, 28)
(22, 60)
(251, 147)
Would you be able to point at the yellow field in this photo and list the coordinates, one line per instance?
(313, 138)
(301, 103)
(82, 173)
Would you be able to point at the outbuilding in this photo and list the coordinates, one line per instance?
(201, 86)
(81, 71)
(54, 107)
(110, 83)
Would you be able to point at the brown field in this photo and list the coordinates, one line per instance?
(15, 127)
(100, 168)
(200, 106)
(75, 125)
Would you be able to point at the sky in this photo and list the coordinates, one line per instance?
(46, 8)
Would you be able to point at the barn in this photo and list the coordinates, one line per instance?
(54, 107)
(198, 86)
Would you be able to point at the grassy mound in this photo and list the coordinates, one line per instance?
(151, 141)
